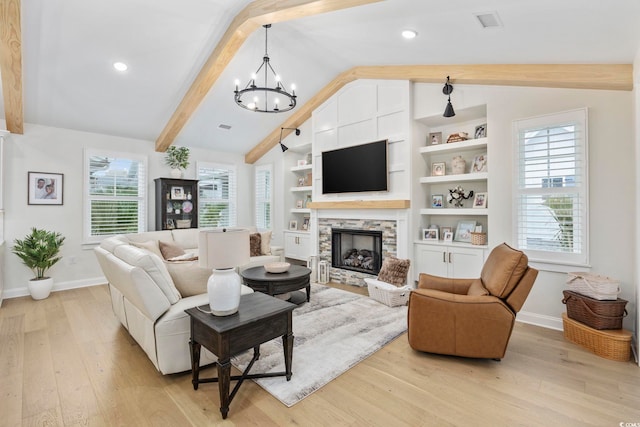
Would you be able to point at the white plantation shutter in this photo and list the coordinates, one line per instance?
(552, 189)
(216, 195)
(263, 198)
(115, 194)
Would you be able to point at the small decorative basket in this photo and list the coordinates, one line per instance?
(183, 223)
(594, 285)
(478, 238)
(390, 297)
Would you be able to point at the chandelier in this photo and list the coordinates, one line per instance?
(265, 98)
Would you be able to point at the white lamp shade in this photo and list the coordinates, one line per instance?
(223, 248)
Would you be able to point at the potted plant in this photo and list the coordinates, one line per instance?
(177, 159)
(39, 251)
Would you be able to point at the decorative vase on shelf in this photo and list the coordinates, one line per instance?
(176, 173)
(458, 165)
(307, 201)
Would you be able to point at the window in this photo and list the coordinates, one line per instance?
(551, 193)
(115, 194)
(264, 201)
(216, 195)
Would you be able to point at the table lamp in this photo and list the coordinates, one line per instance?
(222, 250)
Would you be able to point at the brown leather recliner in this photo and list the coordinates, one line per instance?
(471, 317)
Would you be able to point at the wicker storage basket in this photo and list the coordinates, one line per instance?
(614, 345)
(593, 285)
(594, 313)
(478, 238)
(390, 297)
(183, 223)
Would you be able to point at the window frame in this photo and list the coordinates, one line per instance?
(142, 199)
(548, 259)
(233, 191)
(266, 200)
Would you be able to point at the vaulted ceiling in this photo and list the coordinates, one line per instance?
(183, 57)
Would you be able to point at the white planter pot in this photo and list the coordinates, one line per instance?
(176, 173)
(40, 289)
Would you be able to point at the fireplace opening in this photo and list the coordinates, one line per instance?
(357, 250)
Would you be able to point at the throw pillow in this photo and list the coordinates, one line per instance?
(255, 244)
(185, 257)
(170, 250)
(394, 270)
(188, 277)
(265, 242)
(150, 245)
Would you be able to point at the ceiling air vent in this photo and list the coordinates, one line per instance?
(223, 126)
(489, 19)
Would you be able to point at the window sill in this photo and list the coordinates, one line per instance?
(543, 265)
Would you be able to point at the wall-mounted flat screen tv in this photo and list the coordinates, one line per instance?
(355, 169)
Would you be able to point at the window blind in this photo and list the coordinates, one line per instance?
(551, 200)
(115, 196)
(263, 196)
(216, 195)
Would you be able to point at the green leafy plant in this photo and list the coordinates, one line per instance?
(39, 250)
(177, 157)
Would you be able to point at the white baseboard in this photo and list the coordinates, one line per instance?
(62, 286)
(540, 320)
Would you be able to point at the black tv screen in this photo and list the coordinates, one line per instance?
(355, 169)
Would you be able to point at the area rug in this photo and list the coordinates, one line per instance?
(332, 333)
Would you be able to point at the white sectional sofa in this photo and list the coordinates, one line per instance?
(149, 294)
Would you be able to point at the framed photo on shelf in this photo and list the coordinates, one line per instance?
(480, 200)
(45, 188)
(481, 131)
(434, 138)
(299, 204)
(463, 231)
(479, 163)
(438, 169)
(170, 224)
(293, 225)
(437, 201)
(429, 234)
(302, 162)
(301, 181)
(444, 230)
(305, 223)
(447, 236)
(177, 193)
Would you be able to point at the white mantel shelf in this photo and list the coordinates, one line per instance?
(362, 204)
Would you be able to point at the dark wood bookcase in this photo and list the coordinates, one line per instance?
(176, 203)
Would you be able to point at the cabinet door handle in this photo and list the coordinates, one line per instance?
(444, 256)
(449, 257)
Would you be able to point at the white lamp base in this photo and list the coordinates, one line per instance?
(223, 288)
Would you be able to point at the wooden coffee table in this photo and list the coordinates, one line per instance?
(260, 318)
(277, 284)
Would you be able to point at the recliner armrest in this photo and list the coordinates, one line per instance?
(453, 286)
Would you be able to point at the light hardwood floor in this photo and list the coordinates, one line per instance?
(67, 361)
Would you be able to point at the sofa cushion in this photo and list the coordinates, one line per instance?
(149, 235)
(265, 243)
(153, 265)
(110, 243)
(186, 238)
(255, 245)
(394, 270)
(503, 269)
(188, 277)
(170, 250)
(150, 245)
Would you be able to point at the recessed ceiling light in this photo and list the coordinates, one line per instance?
(409, 34)
(489, 19)
(120, 66)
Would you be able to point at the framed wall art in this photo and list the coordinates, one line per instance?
(463, 231)
(434, 138)
(45, 188)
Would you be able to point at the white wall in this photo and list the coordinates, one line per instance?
(55, 150)
(612, 170)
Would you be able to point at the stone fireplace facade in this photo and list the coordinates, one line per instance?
(389, 229)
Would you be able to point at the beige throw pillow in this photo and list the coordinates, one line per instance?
(394, 270)
(188, 277)
(265, 242)
(170, 250)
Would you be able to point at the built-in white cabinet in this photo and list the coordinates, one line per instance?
(453, 261)
(297, 245)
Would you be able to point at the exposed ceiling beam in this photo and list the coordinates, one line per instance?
(574, 76)
(11, 64)
(256, 14)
